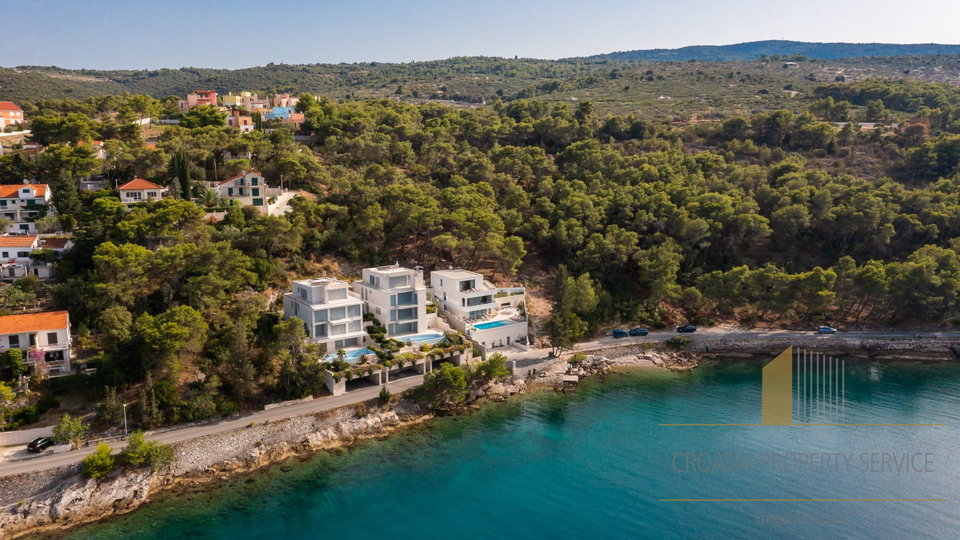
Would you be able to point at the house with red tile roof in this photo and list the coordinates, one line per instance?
(197, 98)
(46, 333)
(139, 190)
(23, 204)
(10, 114)
(15, 260)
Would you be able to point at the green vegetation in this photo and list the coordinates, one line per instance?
(99, 463)
(444, 387)
(140, 452)
(678, 342)
(770, 217)
(70, 430)
(385, 395)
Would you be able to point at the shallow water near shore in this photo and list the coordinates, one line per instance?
(596, 464)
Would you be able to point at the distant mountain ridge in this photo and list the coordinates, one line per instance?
(755, 49)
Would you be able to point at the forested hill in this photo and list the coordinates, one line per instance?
(755, 49)
(614, 87)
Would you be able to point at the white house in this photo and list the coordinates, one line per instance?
(396, 296)
(139, 190)
(491, 316)
(23, 204)
(48, 332)
(331, 313)
(249, 188)
(15, 261)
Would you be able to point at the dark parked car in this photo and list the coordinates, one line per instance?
(618, 333)
(687, 328)
(639, 331)
(39, 444)
(827, 330)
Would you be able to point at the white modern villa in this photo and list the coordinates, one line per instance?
(396, 296)
(489, 315)
(331, 313)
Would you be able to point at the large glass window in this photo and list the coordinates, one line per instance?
(406, 314)
(320, 331)
(337, 294)
(353, 311)
(320, 316)
(338, 329)
(14, 342)
(354, 326)
(399, 281)
(407, 298)
(338, 313)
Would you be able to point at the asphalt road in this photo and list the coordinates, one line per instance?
(22, 462)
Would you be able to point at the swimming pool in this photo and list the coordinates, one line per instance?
(354, 355)
(489, 325)
(422, 338)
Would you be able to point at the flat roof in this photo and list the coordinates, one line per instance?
(458, 274)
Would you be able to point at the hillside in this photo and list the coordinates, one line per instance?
(667, 90)
(755, 49)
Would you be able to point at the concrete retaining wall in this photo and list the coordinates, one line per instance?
(11, 438)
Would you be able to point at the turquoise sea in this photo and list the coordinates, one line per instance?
(596, 463)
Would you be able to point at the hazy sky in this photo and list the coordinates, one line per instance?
(137, 34)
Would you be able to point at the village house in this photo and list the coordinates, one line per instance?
(35, 333)
(332, 314)
(23, 204)
(15, 260)
(491, 316)
(247, 188)
(139, 190)
(396, 296)
(10, 114)
(240, 119)
(197, 98)
(284, 100)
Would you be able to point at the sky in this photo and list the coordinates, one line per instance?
(137, 34)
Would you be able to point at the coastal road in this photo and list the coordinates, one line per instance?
(21, 462)
(48, 459)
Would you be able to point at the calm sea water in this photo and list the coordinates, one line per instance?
(596, 463)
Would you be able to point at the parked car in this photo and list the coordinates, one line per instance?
(39, 444)
(618, 333)
(639, 331)
(686, 329)
(827, 330)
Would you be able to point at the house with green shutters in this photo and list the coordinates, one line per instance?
(249, 188)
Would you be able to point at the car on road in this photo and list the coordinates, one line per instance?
(638, 331)
(618, 333)
(39, 444)
(686, 329)
(827, 330)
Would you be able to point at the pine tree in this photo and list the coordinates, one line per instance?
(180, 169)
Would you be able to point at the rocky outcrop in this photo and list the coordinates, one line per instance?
(61, 498)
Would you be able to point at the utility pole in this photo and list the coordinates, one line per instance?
(124, 420)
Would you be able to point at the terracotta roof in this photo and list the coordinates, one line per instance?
(12, 191)
(9, 106)
(139, 183)
(17, 241)
(231, 179)
(54, 243)
(34, 322)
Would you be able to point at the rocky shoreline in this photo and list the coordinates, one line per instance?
(56, 500)
(60, 499)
